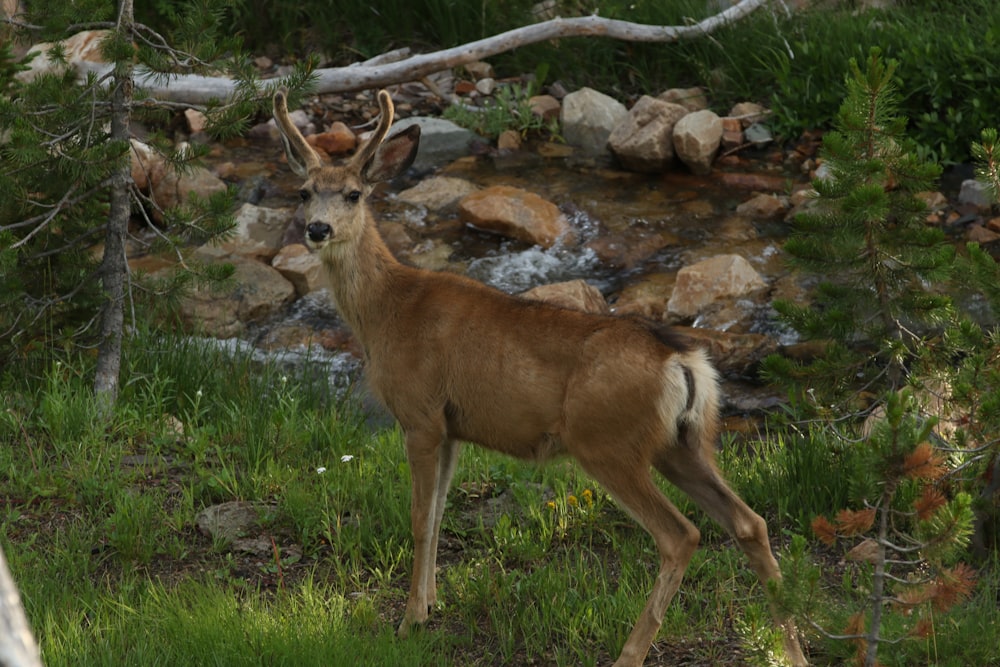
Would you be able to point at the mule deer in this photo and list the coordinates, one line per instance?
(454, 361)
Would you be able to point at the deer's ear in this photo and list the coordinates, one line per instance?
(301, 156)
(393, 156)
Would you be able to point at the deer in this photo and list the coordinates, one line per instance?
(456, 361)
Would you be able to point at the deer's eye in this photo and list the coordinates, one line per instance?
(354, 196)
(304, 195)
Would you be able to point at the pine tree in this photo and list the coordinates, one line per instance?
(866, 236)
(65, 183)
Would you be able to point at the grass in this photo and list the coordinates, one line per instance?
(538, 566)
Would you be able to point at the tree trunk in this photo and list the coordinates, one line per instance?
(114, 267)
(195, 89)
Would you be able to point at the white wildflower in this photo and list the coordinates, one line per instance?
(346, 457)
(320, 470)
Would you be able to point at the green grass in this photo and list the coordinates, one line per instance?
(98, 525)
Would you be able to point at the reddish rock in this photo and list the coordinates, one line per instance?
(338, 140)
(761, 182)
(515, 213)
(545, 106)
(573, 294)
(700, 284)
(763, 207)
(300, 267)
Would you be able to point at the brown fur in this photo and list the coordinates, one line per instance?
(454, 361)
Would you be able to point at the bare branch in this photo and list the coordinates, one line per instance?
(197, 89)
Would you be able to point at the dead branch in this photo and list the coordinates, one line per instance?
(198, 90)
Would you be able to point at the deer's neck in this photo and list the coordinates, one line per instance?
(361, 276)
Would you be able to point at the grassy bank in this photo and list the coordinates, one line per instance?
(538, 566)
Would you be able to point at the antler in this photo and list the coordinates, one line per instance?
(387, 111)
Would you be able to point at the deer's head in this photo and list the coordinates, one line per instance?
(334, 196)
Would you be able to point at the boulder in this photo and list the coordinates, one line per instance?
(256, 292)
(166, 186)
(438, 193)
(628, 248)
(545, 107)
(763, 207)
(259, 231)
(300, 267)
(692, 99)
(441, 141)
(733, 354)
(338, 140)
(646, 297)
(588, 118)
(748, 113)
(700, 284)
(572, 294)
(975, 193)
(697, 137)
(643, 141)
(515, 213)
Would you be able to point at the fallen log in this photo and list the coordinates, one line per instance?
(199, 90)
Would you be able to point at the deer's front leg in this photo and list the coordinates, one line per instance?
(422, 451)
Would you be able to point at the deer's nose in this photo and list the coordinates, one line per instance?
(318, 231)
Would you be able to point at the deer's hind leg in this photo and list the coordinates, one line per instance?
(676, 539)
(692, 470)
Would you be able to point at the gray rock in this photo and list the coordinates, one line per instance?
(588, 118)
(644, 140)
(441, 141)
(697, 137)
(975, 193)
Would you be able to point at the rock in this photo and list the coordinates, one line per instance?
(515, 213)
(732, 133)
(338, 140)
(196, 120)
(258, 232)
(733, 354)
(509, 140)
(630, 247)
(981, 234)
(697, 137)
(486, 86)
(700, 284)
(230, 521)
(257, 292)
(643, 141)
(748, 113)
(166, 186)
(300, 267)
(479, 69)
(572, 294)
(763, 207)
(975, 193)
(935, 201)
(83, 46)
(588, 118)
(646, 297)
(438, 193)
(545, 106)
(758, 134)
(692, 99)
(441, 141)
